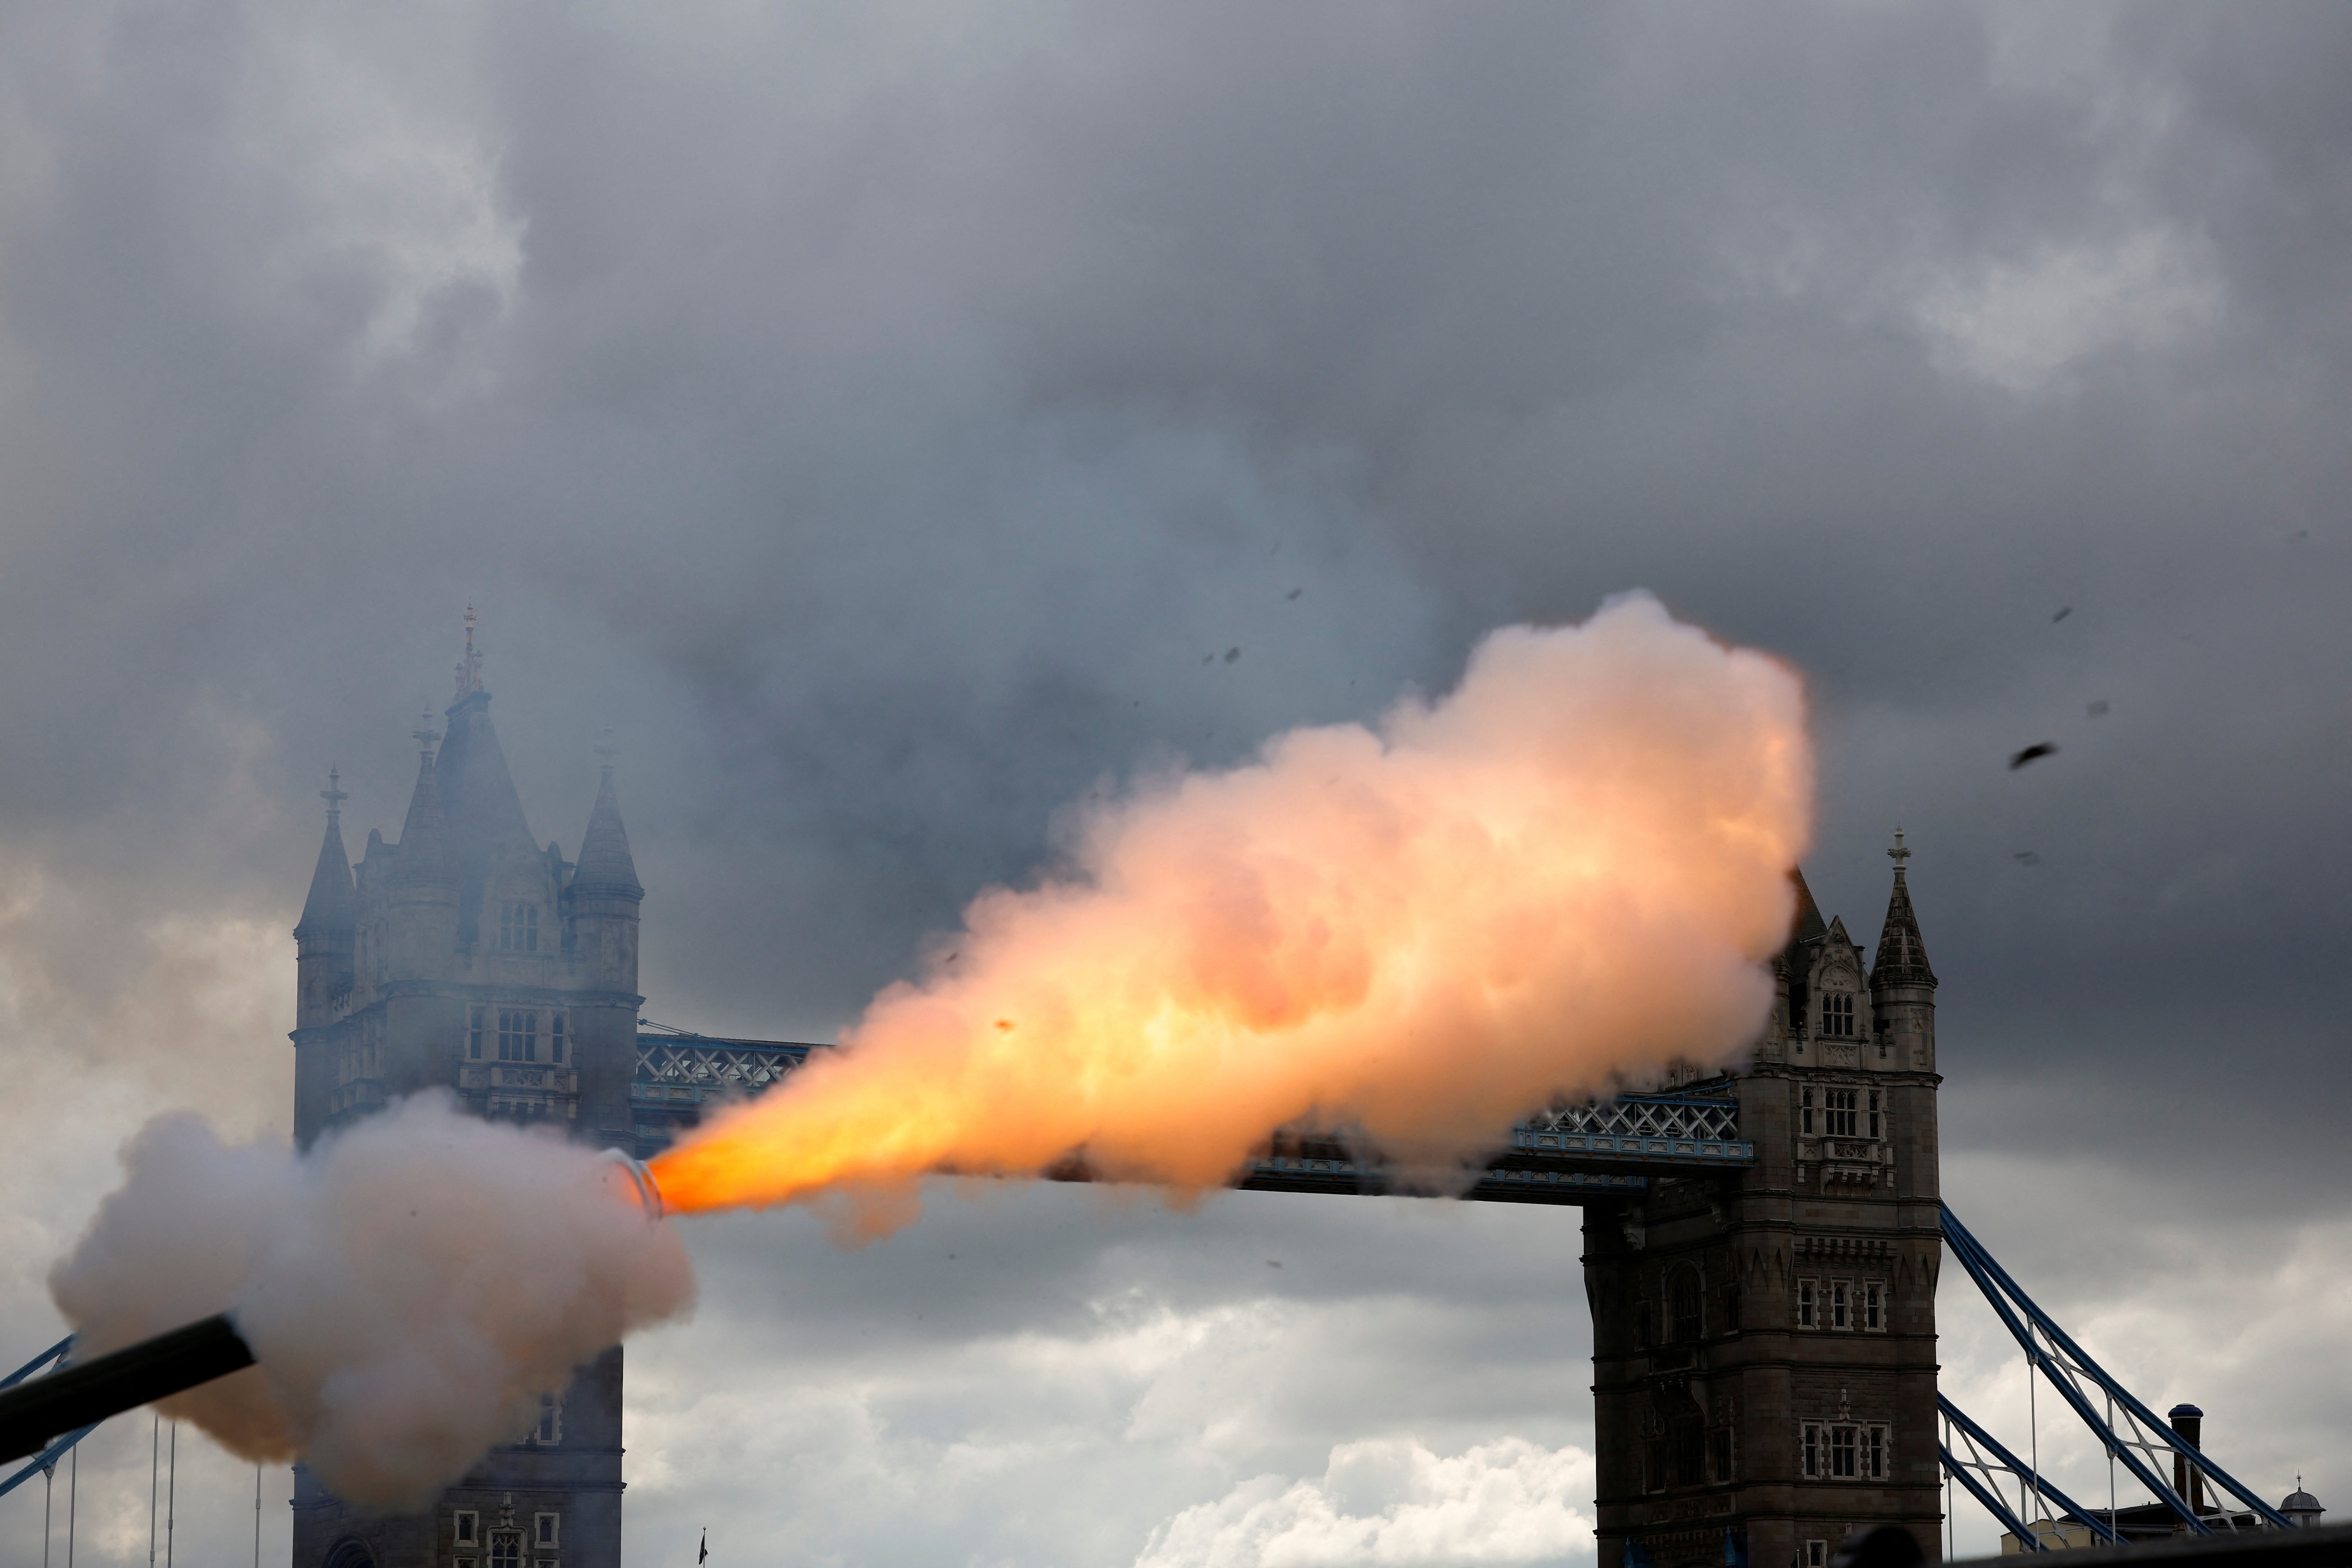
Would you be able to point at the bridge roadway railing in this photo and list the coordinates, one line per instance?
(1564, 1155)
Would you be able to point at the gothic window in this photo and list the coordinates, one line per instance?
(1874, 1453)
(556, 1039)
(1685, 1307)
(1814, 1458)
(1843, 1113)
(1837, 1012)
(1690, 1452)
(550, 1426)
(475, 1017)
(1842, 1453)
(1719, 1453)
(506, 1548)
(518, 928)
(518, 1035)
(1817, 1554)
(1874, 1306)
(1877, 1116)
(543, 1529)
(464, 1526)
(1841, 1304)
(1809, 1312)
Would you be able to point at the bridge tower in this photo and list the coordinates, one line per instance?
(1764, 1340)
(466, 958)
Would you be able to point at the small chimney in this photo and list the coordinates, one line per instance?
(2189, 1426)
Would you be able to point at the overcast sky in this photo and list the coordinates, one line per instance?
(895, 420)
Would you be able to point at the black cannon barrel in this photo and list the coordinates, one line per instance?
(33, 1412)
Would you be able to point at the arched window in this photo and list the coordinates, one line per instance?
(1683, 1305)
(350, 1552)
(1837, 1014)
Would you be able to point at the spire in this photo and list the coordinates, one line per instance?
(470, 669)
(1902, 954)
(424, 855)
(485, 812)
(1808, 924)
(606, 865)
(331, 904)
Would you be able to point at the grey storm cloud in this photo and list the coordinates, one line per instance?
(890, 419)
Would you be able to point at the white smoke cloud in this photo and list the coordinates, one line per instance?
(409, 1287)
(1393, 1502)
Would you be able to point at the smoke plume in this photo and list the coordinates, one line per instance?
(410, 1288)
(1561, 877)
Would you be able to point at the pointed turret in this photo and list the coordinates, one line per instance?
(331, 906)
(1902, 986)
(606, 865)
(420, 893)
(1902, 954)
(1808, 924)
(422, 857)
(328, 932)
(477, 792)
(600, 902)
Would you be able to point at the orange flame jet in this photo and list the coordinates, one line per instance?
(1562, 876)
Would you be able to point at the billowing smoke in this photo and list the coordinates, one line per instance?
(1559, 878)
(409, 1289)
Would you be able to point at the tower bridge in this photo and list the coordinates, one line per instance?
(1760, 1251)
(1760, 1246)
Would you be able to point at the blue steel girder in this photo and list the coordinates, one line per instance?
(1991, 1500)
(1981, 1442)
(57, 1353)
(2068, 1368)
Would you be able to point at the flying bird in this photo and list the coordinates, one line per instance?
(2064, 611)
(2039, 749)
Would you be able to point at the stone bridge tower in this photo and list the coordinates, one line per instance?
(1764, 1340)
(466, 958)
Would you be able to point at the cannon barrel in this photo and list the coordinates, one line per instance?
(66, 1401)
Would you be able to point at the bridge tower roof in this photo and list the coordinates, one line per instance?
(422, 855)
(332, 904)
(1902, 958)
(605, 864)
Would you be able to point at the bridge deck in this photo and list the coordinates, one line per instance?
(1566, 1156)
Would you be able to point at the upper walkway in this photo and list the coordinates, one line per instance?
(1564, 1156)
